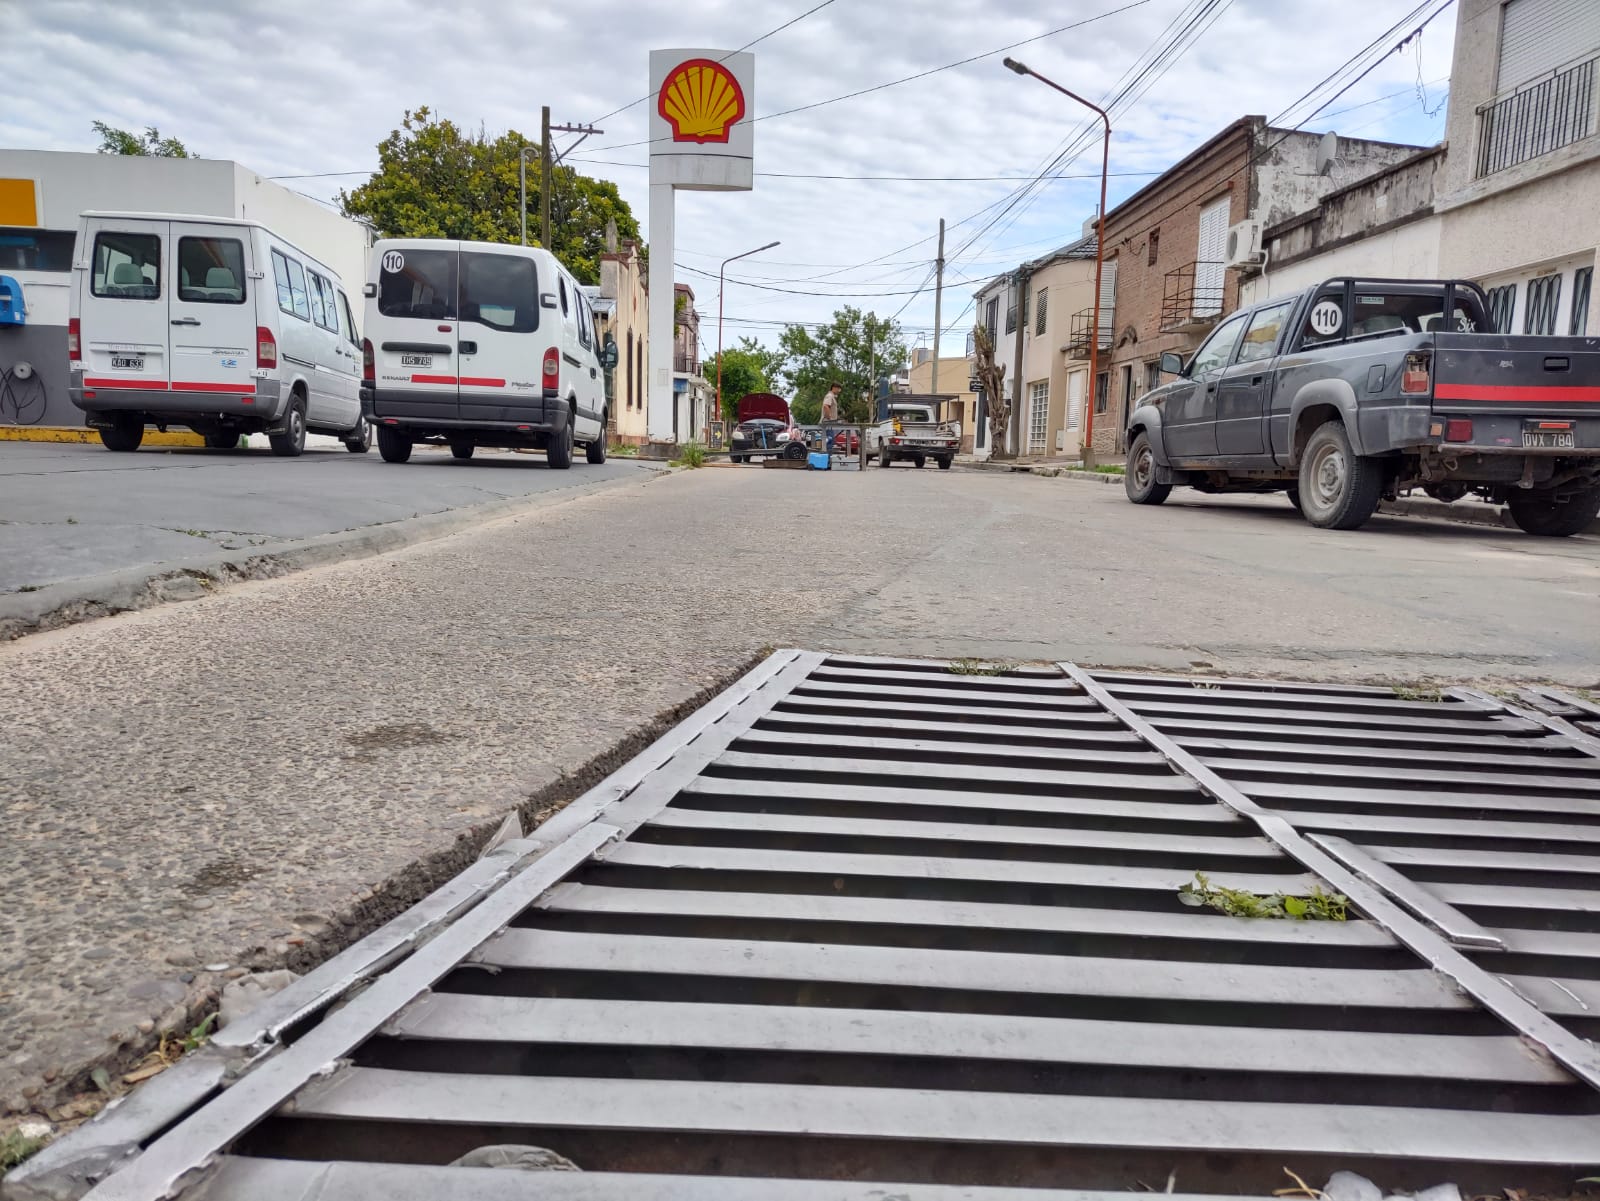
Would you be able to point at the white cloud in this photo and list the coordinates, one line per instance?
(299, 87)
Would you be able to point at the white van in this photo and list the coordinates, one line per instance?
(210, 323)
(479, 344)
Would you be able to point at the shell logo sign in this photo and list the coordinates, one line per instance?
(701, 100)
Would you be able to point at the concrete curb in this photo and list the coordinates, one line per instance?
(70, 433)
(71, 601)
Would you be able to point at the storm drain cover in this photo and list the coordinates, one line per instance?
(869, 928)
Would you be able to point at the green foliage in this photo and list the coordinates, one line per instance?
(843, 351)
(1108, 469)
(1423, 692)
(1318, 907)
(744, 370)
(436, 180)
(622, 450)
(690, 454)
(976, 667)
(16, 1147)
(150, 143)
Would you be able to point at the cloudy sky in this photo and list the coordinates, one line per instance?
(307, 88)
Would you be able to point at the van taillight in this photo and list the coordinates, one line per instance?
(368, 368)
(552, 368)
(1414, 379)
(266, 347)
(74, 342)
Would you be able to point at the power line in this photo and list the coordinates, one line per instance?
(745, 283)
(604, 162)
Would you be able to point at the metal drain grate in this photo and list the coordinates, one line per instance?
(871, 920)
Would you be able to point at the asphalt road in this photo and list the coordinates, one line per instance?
(73, 512)
(222, 781)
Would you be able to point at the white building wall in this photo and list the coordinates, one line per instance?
(1409, 252)
(318, 230)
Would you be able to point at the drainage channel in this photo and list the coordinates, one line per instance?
(869, 922)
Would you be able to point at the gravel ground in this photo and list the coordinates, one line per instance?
(253, 778)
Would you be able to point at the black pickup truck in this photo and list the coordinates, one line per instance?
(1358, 390)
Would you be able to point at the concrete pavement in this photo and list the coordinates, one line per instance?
(257, 777)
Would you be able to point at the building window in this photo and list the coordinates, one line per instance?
(1502, 304)
(1544, 295)
(627, 374)
(1152, 375)
(1102, 385)
(1155, 248)
(1039, 317)
(1011, 315)
(991, 316)
(1582, 278)
(1038, 415)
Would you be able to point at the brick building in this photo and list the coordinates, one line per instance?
(1167, 246)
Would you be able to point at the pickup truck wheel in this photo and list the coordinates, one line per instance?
(462, 450)
(1139, 480)
(1339, 489)
(883, 458)
(393, 445)
(1293, 493)
(944, 462)
(1540, 513)
(919, 460)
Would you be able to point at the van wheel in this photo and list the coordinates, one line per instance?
(394, 446)
(223, 441)
(559, 453)
(126, 432)
(359, 440)
(1540, 513)
(595, 452)
(1139, 478)
(1339, 489)
(291, 443)
(462, 450)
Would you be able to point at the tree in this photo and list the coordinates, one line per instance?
(848, 350)
(435, 180)
(991, 378)
(150, 143)
(741, 374)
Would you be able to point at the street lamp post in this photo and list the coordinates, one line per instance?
(1099, 247)
(720, 282)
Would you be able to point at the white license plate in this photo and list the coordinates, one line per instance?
(1548, 439)
(127, 362)
(416, 360)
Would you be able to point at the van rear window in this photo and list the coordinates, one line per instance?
(211, 270)
(417, 283)
(126, 266)
(500, 291)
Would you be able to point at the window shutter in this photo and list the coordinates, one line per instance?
(1108, 301)
(1537, 36)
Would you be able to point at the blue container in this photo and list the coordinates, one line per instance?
(819, 461)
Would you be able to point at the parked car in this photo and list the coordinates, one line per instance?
(480, 344)
(1361, 389)
(756, 439)
(912, 432)
(211, 323)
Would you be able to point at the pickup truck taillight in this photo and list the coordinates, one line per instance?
(1414, 376)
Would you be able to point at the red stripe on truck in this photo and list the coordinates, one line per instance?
(474, 381)
(185, 386)
(1568, 392)
(157, 385)
(433, 379)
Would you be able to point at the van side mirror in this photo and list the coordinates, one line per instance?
(1171, 363)
(608, 354)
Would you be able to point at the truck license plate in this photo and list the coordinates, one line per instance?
(127, 362)
(1548, 439)
(416, 360)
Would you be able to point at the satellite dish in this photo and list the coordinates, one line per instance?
(1327, 152)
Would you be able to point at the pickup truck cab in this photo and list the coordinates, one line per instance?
(912, 432)
(1358, 390)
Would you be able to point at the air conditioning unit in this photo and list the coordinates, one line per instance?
(1244, 244)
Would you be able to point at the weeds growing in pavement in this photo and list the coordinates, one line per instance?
(16, 1147)
(976, 667)
(1423, 692)
(1110, 469)
(690, 454)
(1236, 902)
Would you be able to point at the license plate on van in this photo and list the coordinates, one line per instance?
(127, 362)
(416, 360)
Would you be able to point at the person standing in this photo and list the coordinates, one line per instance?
(830, 412)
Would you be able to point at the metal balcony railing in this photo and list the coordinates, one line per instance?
(686, 363)
(1079, 332)
(1540, 117)
(1192, 296)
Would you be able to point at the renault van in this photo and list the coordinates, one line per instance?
(211, 323)
(473, 344)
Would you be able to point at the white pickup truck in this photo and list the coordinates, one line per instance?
(911, 431)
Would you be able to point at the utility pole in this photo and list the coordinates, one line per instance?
(1014, 426)
(938, 306)
(547, 167)
(547, 162)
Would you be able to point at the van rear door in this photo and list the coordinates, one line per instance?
(500, 356)
(413, 335)
(211, 309)
(122, 307)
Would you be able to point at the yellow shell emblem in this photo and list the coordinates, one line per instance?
(701, 100)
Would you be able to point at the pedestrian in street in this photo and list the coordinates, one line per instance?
(830, 412)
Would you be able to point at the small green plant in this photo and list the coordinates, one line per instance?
(16, 1147)
(200, 1035)
(29, 588)
(690, 454)
(1422, 692)
(1110, 469)
(976, 667)
(1236, 902)
(623, 450)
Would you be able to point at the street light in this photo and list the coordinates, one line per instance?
(1099, 247)
(720, 271)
